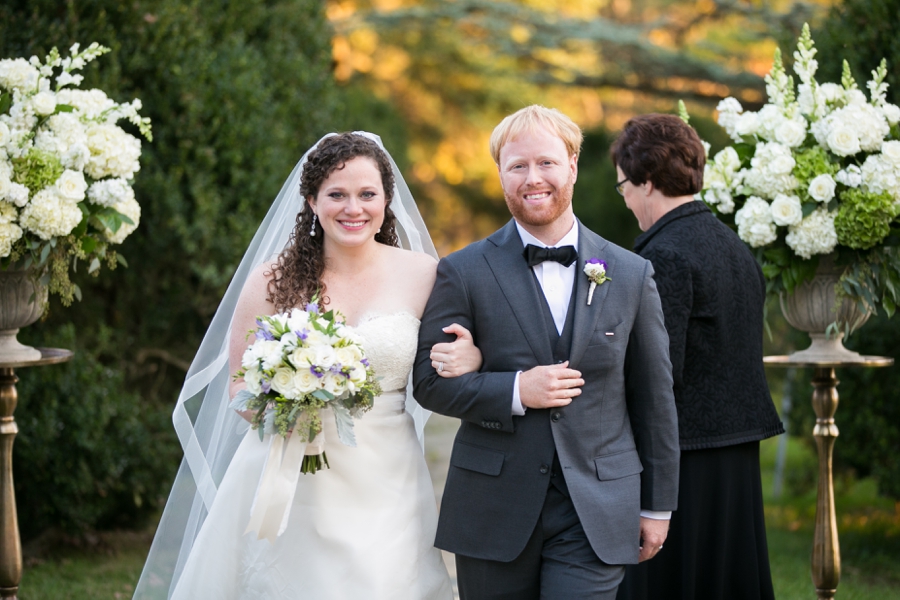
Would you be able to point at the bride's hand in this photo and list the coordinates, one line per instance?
(457, 358)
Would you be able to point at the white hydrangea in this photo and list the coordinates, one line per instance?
(881, 174)
(17, 194)
(91, 104)
(720, 178)
(131, 209)
(851, 176)
(5, 185)
(770, 119)
(66, 137)
(4, 135)
(49, 215)
(109, 192)
(8, 213)
(71, 185)
(114, 153)
(746, 124)
(821, 188)
(770, 170)
(18, 74)
(755, 224)
(813, 235)
(786, 210)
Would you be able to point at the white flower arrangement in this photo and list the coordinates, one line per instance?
(65, 169)
(815, 171)
(301, 362)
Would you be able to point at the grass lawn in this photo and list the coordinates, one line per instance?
(108, 568)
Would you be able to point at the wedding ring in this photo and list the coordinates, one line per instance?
(440, 368)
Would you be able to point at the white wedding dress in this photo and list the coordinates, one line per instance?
(362, 529)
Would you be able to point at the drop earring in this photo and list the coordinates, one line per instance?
(312, 230)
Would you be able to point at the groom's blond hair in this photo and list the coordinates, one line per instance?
(531, 118)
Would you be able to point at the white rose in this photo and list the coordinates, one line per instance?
(317, 338)
(843, 141)
(358, 374)
(4, 134)
(782, 164)
(891, 113)
(260, 351)
(348, 355)
(253, 379)
(283, 382)
(305, 381)
(324, 356)
(791, 133)
(302, 358)
(44, 103)
(746, 124)
(71, 185)
(334, 383)
(821, 189)
(786, 210)
(891, 151)
(298, 319)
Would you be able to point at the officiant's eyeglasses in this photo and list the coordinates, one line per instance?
(619, 187)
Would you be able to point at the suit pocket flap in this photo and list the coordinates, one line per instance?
(474, 458)
(618, 465)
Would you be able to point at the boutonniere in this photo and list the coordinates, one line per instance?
(595, 269)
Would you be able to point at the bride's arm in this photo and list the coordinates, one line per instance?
(251, 304)
(452, 359)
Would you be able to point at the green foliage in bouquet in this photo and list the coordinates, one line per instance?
(815, 171)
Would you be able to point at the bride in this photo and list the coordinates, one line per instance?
(365, 527)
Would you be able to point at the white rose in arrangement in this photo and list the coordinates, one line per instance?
(348, 355)
(851, 176)
(813, 235)
(283, 382)
(44, 103)
(746, 124)
(131, 209)
(755, 224)
(71, 185)
(306, 381)
(18, 74)
(791, 132)
(334, 383)
(109, 192)
(302, 358)
(317, 338)
(260, 351)
(49, 215)
(770, 118)
(786, 210)
(358, 374)
(298, 319)
(4, 134)
(843, 141)
(114, 153)
(325, 356)
(821, 189)
(253, 379)
(891, 152)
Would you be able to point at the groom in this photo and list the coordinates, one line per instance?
(565, 466)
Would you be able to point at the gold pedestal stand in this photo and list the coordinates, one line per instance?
(826, 554)
(10, 544)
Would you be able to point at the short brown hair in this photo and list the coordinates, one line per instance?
(530, 118)
(661, 149)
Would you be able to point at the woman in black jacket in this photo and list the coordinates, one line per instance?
(712, 292)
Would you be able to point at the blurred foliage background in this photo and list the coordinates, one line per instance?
(237, 91)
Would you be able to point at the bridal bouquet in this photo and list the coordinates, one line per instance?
(65, 168)
(302, 362)
(815, 171)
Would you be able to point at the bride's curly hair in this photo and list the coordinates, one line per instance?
(297, 274)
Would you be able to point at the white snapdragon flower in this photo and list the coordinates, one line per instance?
(71, 185)
(44, 103)
(131, 209)
(50, 215)
(113, 152)
(813, 235)
(728, 110)
(109, 192)
(851, 176)
(18, 74)
(821, 188)
(746, 124)
(91, 104)
(855, 97)
(891, 113)
(786, 210)
(755, 224)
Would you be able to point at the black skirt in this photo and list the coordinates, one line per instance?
(716, 547)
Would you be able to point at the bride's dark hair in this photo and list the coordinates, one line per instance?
(297, 273)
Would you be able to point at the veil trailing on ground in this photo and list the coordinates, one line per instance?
(208, 430)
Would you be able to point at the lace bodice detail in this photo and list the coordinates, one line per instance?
(390, 341)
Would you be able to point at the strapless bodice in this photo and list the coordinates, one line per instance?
(390, 341)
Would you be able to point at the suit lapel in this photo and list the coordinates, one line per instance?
(590, 245)
(517, 283)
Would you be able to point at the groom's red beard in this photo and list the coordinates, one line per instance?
(560, 200)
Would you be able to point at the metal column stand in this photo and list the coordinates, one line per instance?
(10, 544)
(826, 554)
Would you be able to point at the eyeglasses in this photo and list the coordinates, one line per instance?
(619, 186)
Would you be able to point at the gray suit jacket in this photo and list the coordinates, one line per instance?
(617, 442)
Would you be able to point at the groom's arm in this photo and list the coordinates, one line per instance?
(651, 401)
(483, 398)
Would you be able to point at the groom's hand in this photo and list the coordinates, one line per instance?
(653, 534)
(549, 386)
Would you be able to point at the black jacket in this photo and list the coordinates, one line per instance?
(713, 293)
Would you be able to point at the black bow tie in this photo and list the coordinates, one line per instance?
(565, 255)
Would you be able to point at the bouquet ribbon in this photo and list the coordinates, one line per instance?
(278, 484)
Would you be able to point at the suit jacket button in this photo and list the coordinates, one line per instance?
(544, 469)
(555, 416)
